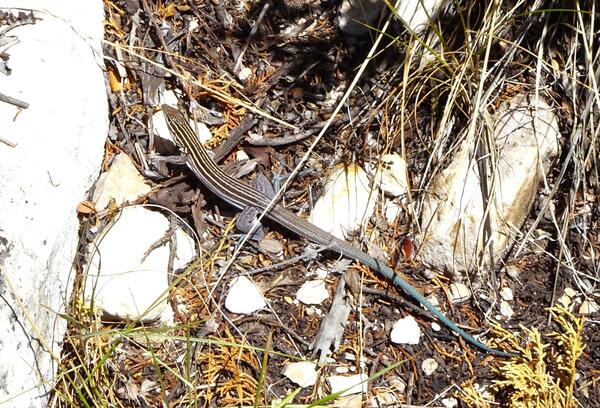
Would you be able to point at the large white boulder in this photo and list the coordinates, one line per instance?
(53, 155)
(454, 212)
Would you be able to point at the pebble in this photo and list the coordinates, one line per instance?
(406, 331)
(244, 297)
(428, 366)
(353, 384)
(459, 292)
(312, 292)
(302, 373)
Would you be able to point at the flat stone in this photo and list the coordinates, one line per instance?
(122, 183)
(244, 297)
(312, 292)
(123, 283)
(302, 373)
(353, 384)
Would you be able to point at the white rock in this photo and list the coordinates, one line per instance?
(506, 293)
(459, 292)
(244, 74)
(391, 175)
(356, 15)
(385, 398)
(120, 282)
(450, 402)
(406, 331)
(302, 373)
(513, 271)
(122, 182)
(506, 310)
(397, 385)
(565, 301)
(428, 366)
(570, 292)
(244, 297)
(416, 14)
(321, 273)
(354, 384)
(57, 67)
(347, 202)
(526, 141)
(241, 155)
(312, 292)
(588, 307)
(436, 327)
(349, 356)
(342, 370)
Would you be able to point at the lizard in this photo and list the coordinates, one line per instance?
(242, 196)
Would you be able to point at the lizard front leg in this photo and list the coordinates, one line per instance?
(247, 217)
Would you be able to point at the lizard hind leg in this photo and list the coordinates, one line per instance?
(245, 221)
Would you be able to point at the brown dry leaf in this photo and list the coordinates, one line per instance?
(86, 208)
(114, 80)
(169, 11)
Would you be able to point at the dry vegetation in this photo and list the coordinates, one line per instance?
(413, 97)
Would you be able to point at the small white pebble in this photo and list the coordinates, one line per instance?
(428, 366)
(506, 293)
(565, 300)
(392, 210)
(428, 274)
(244, 297)
(433, 300)
(406, 331)
(321, 273)
(244, 74)
(272, 246)
(459, 292)
(588, 307)
(398, 384)
(570, 292)
(241, 155)
(355, 384)
(513, 271)
(341, 370)
(302, 373)
(450, 402)
(506, 310)
(435, 327)
(312, 292)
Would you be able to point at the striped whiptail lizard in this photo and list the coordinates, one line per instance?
(241, 196)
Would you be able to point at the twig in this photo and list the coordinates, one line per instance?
(13, 101)
(238, 61)
(307, 254)
(8, 142)
(289, 139)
